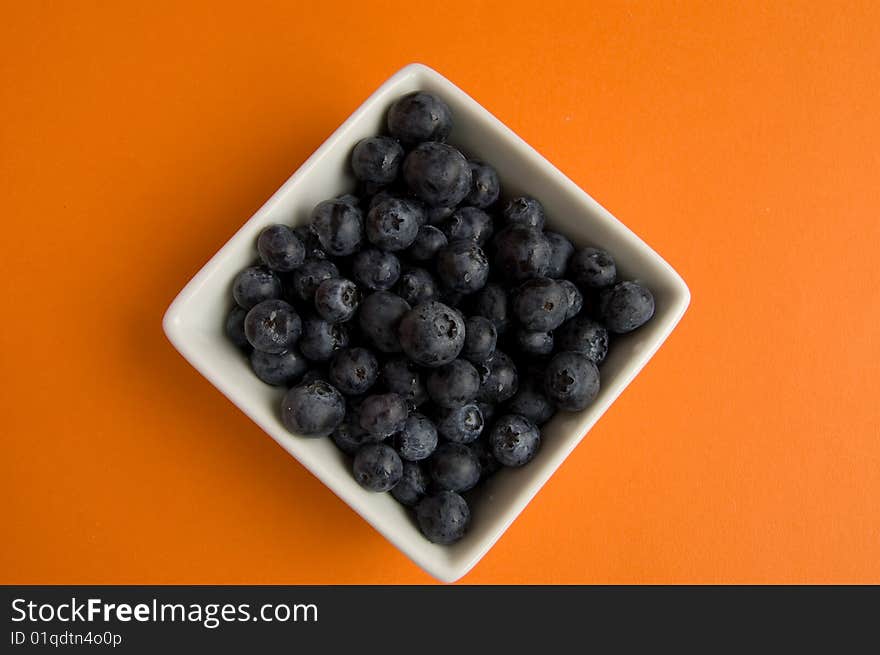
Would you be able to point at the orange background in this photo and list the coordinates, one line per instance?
(742, 142)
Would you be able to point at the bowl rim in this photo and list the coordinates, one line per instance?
(172, 322)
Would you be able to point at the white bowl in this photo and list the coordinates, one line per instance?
(194, 321)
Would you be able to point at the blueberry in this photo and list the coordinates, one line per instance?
(379, 317)
(531, 402)
(571, 381)
(454, 384)
(486, 186)
(561, 250)
(310, 242)
(522, 253)
(320, 339)
(591, 268)
(487, 410)
(377, 159)
(402, 377)
(575, 298)
(429, 241)
(534, 343)
(304, 281)
(419, 117)
(540, 304)
(437, 174)
(254, 285)
(349, 436)
(626, 306)
(480, 339)
(377, 467)
(375, 269)
(413, 484)
(235, 328)
(524, 211)
(418, 438)
(383, 414)
(462, 266)
(417, 285)
(514, 440)
(273, 326)
(491, 302)
(461, 424)
(353, 370)
(349, 198)
(468, 223)
(393, 224)
(499, 380)
(586, 336)
(281, 369)
(483, 452)
(432, 334)
(454, 467)
(280, 249)
(437, 215)
(443, 518)
(336, 299)
(312, 409)
(339, 227)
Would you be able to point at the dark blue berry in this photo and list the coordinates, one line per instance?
(281, 369)
(575, 298)
(310, 242)
(383, 414)
(394, 223)
(483, 452)
(432, 334)
(437, 174)
(402, 377)
(454, 467)
(437, 215)
(522, 253)
(499, 379)
(254, 285)
(320, 339)
(377, 467)
(462, 266)
(561, 250)
(534, 343)
(462, 424)
(487, 410)
(272, 326)
(379, 317)
(571, 381)
(235, 328)
(514, 440)
(339, 227)
(525, 212)
(353, 370)
(480, 339)
(592, 268)
(453, 384)
(429, 241)
(486, 186)
(377, 159)
(584, 335)
(531, 402)
(416, 286)
(540, 304)
(491, 302)
(418, 438)
(280, 249)
(336, 299)
(305, 280)
(419, 116)
(413, 484)
(312, 409)
(375, 269)
(468, 223)
(443, 518)
(349, 436)
(626, 306)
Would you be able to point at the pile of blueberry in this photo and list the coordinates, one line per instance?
(426, 327)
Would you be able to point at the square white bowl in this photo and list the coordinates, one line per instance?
(194, 321)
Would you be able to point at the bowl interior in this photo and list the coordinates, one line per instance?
(195, 321)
